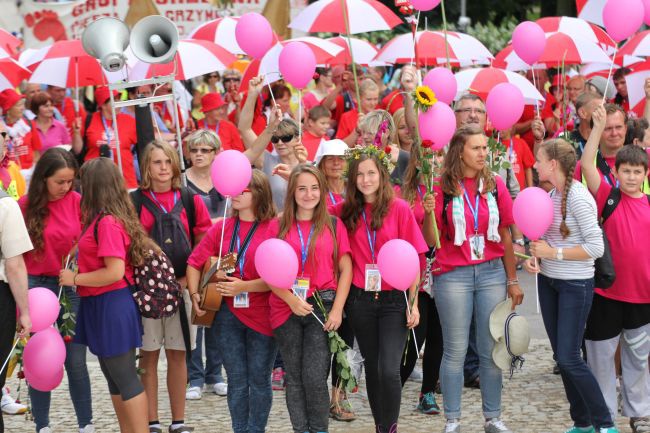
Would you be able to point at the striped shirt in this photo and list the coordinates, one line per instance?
(581, 219)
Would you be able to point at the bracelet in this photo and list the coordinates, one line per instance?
(192, 294)
(74, 279)
(512, 282)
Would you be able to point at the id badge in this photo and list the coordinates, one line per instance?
(477, 247)
(301, 287)
(241, 300)
(373, 278)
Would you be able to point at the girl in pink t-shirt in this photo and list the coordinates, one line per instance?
(108, 321)
(413, 191)
(53, 218)
(244, 336)
(377, 312)
(321, 244)
(475, 247)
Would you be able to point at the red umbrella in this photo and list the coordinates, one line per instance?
(8, 44)
(11, 73)
(329, 16)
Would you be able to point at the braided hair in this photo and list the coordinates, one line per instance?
(561, 151)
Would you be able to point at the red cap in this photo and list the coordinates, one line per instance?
(102, 95)
(9, 98)
(211, 101)
(557, 78)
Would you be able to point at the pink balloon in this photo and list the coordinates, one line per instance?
(424, 5)
(438, 125)
(277, 263)
(533, 212)
(44, 353)
(528, 41)
(443, 83)
(505, 105)
(231, 172)
(398, 263)
(44, 384)
(623, 17)
(43, 308)
(646, 8)
(297, 64)
(254, 34)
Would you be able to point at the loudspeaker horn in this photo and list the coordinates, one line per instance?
(154, 39)
(106, 39)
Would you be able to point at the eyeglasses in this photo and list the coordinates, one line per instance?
(470, 110)
(213, 76)
(284, 138)
(225, 80)
(201, 150)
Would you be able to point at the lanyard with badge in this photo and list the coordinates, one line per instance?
(476, 242)
(373, 277)
(332, 198)
(241, 300)
(107, 132)
(301, 284)
(160, 205)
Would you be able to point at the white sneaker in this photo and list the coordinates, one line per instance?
(45, 430)
(88, 429)
(495, 425)
(193, 393)
(9, 405)
(452, 426)
(220, 388)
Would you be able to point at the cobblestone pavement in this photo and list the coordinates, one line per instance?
(533, 401)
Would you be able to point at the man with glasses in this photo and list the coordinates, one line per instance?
(14, 242)
(215, 110)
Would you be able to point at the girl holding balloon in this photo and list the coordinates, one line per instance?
(243, 329)
(567, 251)
(474, 267)
(53, 218)
(380, 319)
(109, 321)
(321, 243)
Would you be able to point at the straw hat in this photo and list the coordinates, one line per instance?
(512, 336)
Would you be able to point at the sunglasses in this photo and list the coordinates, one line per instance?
(225, 80)
(201, 150)
(284, 138)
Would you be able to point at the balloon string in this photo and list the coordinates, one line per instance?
(415, 340)
(300, 115)
(536, 284)
(67, 263)
(532, 68)
(609, 75)
(268, 83)
(223, 229)
(9, 357)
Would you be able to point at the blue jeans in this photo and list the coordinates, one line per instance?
(75, 367)
(463, 293)
(211, 374)
(565, 307)
(248, 359)
(470, 369)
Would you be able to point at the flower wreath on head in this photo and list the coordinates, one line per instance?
(383, 155)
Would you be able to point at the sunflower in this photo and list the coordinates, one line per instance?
(425, 96)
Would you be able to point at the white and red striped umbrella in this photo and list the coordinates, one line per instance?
(363, 51)
(323, 50)
(509, 60)
(638, 45)
(635, 81)
(602, 69)
(430, 47)
(328, 16)
(578, 29)
(12, 73)
(64, 64)
(193, 58)
(8, 44)
(591, 10)
(481, 80)
(220, 31)
(561, 47)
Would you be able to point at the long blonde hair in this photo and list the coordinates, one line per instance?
(104, 191)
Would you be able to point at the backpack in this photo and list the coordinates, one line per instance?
(156, 290)
(168, 230)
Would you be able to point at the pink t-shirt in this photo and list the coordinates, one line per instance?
(309, 101)
(256, 316)
(61, 231)
(56, 134)
(629, 236)
(449, 255)
(319, 266)
(399, 223)
(166, 199)
(333, 199)
(113, 241)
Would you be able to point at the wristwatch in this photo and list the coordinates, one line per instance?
(559, 255)
(519, 242)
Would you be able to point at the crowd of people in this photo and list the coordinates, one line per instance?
(336, 182)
